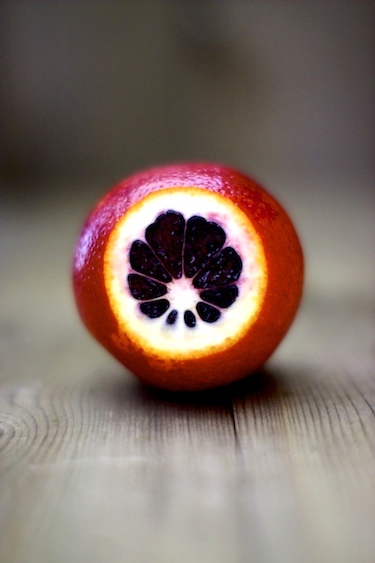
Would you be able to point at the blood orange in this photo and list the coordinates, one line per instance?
(190, 275)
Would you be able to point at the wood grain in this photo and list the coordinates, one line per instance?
(94, 467)
(278, 468)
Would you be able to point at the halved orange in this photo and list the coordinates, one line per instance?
(189, 274)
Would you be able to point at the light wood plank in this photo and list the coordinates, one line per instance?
(94, 467)
(107, 469)
(308, 448)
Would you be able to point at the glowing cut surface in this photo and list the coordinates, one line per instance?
(181, 338)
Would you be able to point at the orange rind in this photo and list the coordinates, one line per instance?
(190, 275)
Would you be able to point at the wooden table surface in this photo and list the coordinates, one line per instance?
(96, 468)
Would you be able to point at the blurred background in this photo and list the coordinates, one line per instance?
(283, 90)
(102, 87)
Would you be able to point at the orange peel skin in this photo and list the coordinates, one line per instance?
(280, 286)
